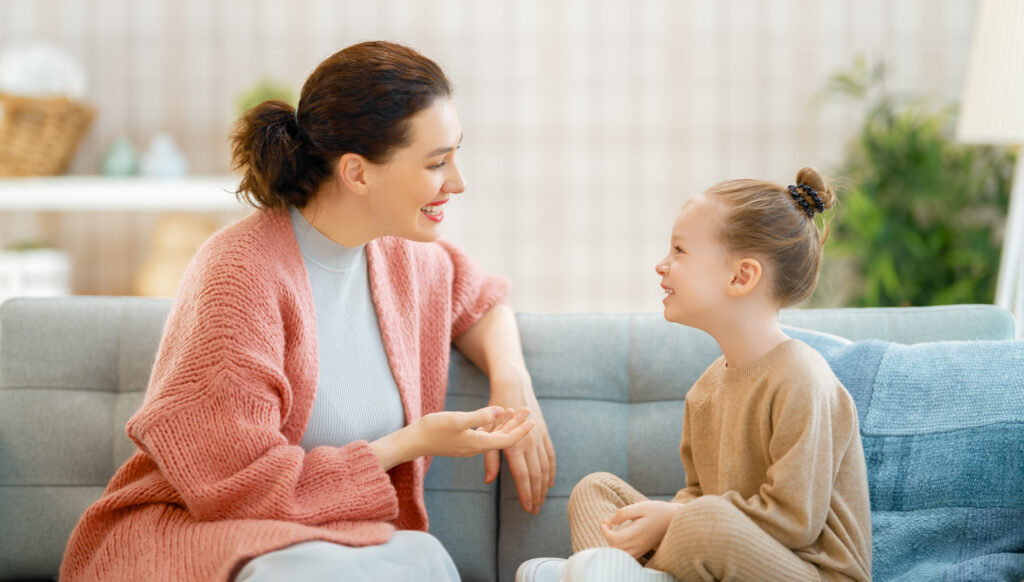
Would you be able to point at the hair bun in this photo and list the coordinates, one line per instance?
(812, 178)
(268, 150)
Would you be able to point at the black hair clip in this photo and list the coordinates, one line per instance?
(814, 195)
(801, 200)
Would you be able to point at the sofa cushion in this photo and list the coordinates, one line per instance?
(943, 431)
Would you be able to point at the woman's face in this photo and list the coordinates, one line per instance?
(408, 192)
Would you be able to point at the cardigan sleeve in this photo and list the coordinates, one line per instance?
(218, 399)
(227, 460)
(473, 292)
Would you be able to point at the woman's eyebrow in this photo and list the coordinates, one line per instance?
(443, 149)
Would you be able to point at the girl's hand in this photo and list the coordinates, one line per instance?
(531, 460)
(639, 528)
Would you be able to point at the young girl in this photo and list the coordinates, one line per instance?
(776, 483)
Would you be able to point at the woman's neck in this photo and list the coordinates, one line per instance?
(342, 217)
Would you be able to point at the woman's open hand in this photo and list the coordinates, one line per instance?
(639, 528)
(459, 434)
(453, 434)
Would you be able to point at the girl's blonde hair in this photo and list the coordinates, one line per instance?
(775, 224)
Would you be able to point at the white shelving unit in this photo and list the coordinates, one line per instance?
(107, 194)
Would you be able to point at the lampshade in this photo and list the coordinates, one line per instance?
(993, 105)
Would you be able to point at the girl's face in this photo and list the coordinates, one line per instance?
(409, 191)
(695, 274)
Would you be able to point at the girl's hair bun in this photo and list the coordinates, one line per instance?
(812, 178)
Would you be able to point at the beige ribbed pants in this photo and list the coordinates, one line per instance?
(708, 539)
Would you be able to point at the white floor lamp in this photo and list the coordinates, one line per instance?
(993, 112)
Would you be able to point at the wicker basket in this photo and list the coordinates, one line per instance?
(39, 136)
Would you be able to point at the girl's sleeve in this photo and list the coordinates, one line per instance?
(473, 292)
(812, 429)
(692, 489)
(213, 419)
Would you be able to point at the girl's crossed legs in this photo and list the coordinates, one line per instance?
(709, 538)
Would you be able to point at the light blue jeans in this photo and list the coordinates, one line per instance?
(407, 556)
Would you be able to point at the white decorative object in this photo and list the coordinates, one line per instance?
(993, 112)
(35, 273)
(163, 159)
(41, 70)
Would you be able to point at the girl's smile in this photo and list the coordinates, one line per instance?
(668, 293)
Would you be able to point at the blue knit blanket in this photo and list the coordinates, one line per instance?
(943, 431)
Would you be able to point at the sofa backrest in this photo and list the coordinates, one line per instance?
(73, 370)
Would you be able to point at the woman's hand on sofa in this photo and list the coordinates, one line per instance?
(494, 345)
(454, 434)
(531, 460)
(636, 529)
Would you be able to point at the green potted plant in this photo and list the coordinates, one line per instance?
(265, 90)
(922, 221)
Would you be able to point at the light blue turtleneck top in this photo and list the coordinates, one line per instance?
(356, 397)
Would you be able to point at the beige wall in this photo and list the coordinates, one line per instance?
(587, 122)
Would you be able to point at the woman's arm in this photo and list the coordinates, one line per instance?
(493, 344)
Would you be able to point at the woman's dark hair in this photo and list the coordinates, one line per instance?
(358, 100)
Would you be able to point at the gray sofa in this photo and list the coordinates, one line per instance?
(72, 370)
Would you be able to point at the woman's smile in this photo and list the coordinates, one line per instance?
(435, 210)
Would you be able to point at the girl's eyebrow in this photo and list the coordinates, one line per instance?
(444, 149)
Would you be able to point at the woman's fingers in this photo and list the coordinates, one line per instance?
(489, 416)
(513, 419)
(492, 464)
(537, 485)
(521, 475)
(499, 439)
(549, 450)
(516, 434)
(477, 418)
(545, 462)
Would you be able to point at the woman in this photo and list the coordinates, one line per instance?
(298, 388)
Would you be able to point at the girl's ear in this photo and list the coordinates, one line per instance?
(745, 276)
(352, 171)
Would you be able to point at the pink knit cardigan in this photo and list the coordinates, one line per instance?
(219, 475)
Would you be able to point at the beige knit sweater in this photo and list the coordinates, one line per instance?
(779, 439)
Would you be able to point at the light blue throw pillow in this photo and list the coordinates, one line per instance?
(943, 431)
